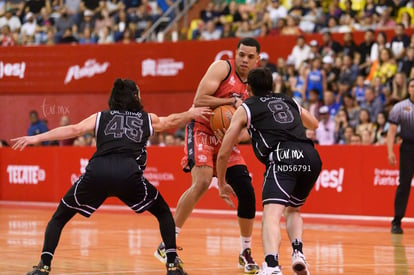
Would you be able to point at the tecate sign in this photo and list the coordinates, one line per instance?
(25, 174)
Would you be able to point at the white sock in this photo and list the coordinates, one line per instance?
(246, 242)
(177, 231)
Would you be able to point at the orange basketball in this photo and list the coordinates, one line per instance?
(221, 117)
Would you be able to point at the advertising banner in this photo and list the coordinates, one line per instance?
(355, 180)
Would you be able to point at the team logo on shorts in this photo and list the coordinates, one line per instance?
(202, 158)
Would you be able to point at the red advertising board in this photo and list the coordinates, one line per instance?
(355, 180)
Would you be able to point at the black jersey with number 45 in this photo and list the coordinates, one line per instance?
(123, 133)
(272, 119)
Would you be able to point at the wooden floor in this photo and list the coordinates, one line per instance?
(121, 242)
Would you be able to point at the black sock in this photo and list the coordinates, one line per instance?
(272, 260)
(297, 245)
(171, 255)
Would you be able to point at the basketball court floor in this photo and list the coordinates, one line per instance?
(117, 241)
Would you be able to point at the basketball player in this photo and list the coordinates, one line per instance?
(276, 124)
(224, 83)
(116, 168)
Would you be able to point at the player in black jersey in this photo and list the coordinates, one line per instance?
(276, 124)
(116, 169)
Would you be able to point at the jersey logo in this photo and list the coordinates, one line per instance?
(407, 109)
(232, 81)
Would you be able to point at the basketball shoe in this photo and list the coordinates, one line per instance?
(160, 253)
(299, 264)
(269, 270)
(176, 268)
(39, 269)
(247, 263)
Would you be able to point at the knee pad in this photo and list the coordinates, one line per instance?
(239, 179)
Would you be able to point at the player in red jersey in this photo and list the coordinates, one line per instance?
(224, 83)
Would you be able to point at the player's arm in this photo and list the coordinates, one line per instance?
(160, 124)
(238, 122)
(308, 120)
(58, 133)
(209, 84)
(391, 133)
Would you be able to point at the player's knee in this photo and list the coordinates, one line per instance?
(200, 187)
(247, 202)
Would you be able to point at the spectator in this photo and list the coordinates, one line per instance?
(209, 13)
(366, 137)
(379, 131)
(68, 37)
(365, 122)
(341, 123)
(312, 20)
(352, 109)
(210, 32)
(399, 43)
(292, 26)
(28, 29)
(399, 86)
(276, 12)
(384, 68)
(87, 37)
(408, 63)
(64, 22)
(349, 47)
(264, 62)
(356, 139)
(380, 44)
(227, 31)
(314, 50)
(34, 6)
(300, 52)
(386, 21)
(330, 100)
(358, 91)
(313, 104)
(231, 15)
(329, 46)
(64, 121)
(87, 22)
(349, 71)
(37, 126)
(296, 83)
(325, 134)
(364, 50)
(347, 136)
(6, 37)
(12, 20)
(373, 103)
(315, 80)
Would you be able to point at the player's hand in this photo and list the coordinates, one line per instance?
(225, 192)
(219, 133)
(238, 102)
(22, 142)
(391, 158)
(200, 112)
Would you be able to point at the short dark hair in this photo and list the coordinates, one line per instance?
(260, 81)
(409, 81)
(124, 96)
(249, 41)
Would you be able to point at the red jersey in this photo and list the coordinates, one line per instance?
(231, 86)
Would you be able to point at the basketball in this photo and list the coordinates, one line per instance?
(221, 117)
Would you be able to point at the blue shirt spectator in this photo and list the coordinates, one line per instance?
(37, 126)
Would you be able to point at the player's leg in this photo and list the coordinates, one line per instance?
(238, 178)
(309, 168)
(161, 211)
(403, 190)
(201, 177)
(51, 239)
(271, 237)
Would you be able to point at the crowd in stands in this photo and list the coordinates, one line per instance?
(350, 87)
(49, 22)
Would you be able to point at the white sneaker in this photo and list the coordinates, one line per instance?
(269, 270)
(299, 264)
